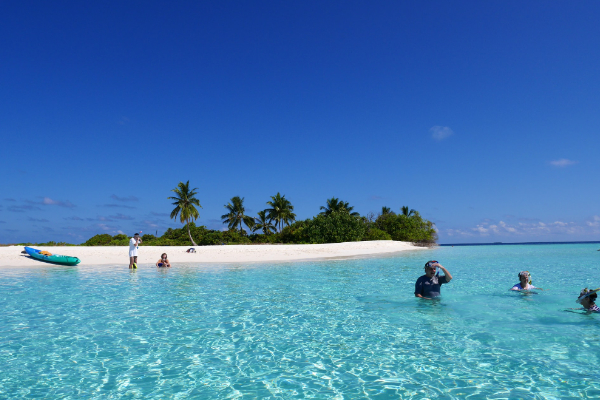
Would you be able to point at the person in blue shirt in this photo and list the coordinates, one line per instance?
(429, 285)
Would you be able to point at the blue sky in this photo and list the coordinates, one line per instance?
(483, 116)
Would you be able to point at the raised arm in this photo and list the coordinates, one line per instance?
(448, 276)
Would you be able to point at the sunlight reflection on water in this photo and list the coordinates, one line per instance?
(327, 329)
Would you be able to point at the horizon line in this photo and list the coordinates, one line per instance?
(517, 243)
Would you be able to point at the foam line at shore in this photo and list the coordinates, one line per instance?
(108, 255)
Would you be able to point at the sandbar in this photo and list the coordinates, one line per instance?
(148, 255)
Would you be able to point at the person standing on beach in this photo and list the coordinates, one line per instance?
(429, 285)
(133, 250)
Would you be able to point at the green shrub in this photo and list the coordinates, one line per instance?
(146, 238)
(376, 234)
(163, 242)
(102, 239)
(407, 229)
(336, 227)
(258, 238)
(294, 233)
(235, 237)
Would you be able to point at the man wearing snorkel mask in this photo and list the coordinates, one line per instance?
(429, 285)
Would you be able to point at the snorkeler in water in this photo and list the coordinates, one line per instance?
(587, 298)
(525, 282)
(429, 285)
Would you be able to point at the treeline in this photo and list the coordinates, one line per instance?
(333, 225)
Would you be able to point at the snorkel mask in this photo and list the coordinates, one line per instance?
(585, 293)
(430, 264)
(526, 274)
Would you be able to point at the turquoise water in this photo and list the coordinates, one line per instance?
(343, 329)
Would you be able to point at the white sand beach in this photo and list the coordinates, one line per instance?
(148, 255)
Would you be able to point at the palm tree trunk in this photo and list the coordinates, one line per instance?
(190, 233)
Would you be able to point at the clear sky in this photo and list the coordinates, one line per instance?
(482, 115)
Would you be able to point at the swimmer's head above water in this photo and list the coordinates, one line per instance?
(525, 277)
(587, 297)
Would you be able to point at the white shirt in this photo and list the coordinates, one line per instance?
(133, 248)
(519, 287)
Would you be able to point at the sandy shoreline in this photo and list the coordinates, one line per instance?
(111, 255)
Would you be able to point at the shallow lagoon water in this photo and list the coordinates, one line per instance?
(342, 329)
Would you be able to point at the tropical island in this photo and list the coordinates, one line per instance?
(337, 222)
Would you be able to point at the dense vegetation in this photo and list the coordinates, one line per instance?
(337, 222)
(335, 227)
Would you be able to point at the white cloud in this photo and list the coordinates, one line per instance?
(128, 198)
(49, 201)
(563, 162)
(531, 229)
(150, 224)
(440, 132)
(457, 232)
(104, 227)
(508, 228)
(481, 229)
(594, 222)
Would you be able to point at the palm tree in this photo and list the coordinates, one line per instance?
(336, 205)
(236, 215)
(406, 212)
(386, 210)
(280, 211)
(185, 202)
(264, 223)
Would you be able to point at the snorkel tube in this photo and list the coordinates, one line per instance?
(585, 293)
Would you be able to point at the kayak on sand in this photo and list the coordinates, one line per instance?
(52, 258)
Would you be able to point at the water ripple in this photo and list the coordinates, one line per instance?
(336, 329)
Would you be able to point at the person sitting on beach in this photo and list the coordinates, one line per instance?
(429, 285)
(524, 282)
(587, 298)
(164, 261)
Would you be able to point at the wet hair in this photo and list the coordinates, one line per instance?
(593, 297)
(163, 254)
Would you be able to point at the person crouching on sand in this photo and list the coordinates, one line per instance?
(164, 261)
(524, 282)
(134, 242)
(429, 285)
(587, 298)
